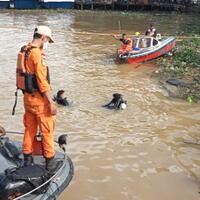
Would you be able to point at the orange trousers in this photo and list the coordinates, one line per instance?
(39, 117)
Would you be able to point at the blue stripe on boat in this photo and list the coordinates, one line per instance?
(4, 4)
(26, 4)
(55, 5)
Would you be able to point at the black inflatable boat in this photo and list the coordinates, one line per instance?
(33, 182)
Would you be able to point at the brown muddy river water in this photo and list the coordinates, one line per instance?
(135, 154)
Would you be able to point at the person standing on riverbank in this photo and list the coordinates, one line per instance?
(39, 107)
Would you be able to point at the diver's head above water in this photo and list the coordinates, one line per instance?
(61, 94)
(117, 102)
(61, 99)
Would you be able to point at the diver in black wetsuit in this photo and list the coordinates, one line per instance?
(61, 99)
(117, 102)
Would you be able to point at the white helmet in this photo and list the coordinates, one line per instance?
(44, 30)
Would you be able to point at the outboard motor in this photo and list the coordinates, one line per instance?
(117, 102)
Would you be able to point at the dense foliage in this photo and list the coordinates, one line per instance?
(184, 65)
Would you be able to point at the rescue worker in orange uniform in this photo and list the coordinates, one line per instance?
(40, 109)
(127, 44)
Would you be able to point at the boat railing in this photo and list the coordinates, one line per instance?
(144, 42)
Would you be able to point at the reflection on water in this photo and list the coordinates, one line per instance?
(136, 154)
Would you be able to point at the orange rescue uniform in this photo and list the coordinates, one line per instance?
(37, 112)
(129, 46)
(126, 47)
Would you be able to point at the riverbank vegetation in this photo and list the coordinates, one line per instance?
(181, 70)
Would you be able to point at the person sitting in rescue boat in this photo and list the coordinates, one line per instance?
(61, 99)
(127, 44)
(117, 102)
(151, 31)
(124, 39)
(135, 37)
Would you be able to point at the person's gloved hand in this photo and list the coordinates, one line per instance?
(2, 131)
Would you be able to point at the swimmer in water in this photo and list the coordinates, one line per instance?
(61, 99)
(117, 102)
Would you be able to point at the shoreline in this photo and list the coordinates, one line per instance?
(179, 74)
(99, 9)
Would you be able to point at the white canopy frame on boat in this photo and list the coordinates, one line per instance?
(145, 42)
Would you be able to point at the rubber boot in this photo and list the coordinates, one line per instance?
(28, 160)
(51, 164)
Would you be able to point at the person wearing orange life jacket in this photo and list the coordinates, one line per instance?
(127, 44)
(40, 109)
(151, 31)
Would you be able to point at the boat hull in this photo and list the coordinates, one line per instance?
(149, 55)
(4, 4)
(55, 186)
(34, 4)
(56, 4)
(26, 4)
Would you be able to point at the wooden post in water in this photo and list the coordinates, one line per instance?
(92, 5)
(119, 27)
(82, 4)
(127, 6)
(113, 5)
